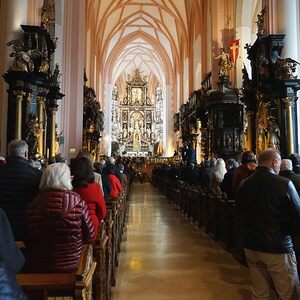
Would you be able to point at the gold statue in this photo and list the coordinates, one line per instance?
(32, 133)
(225, 63)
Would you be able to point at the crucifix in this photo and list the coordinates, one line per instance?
(233, 48)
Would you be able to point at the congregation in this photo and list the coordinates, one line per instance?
(53, 212)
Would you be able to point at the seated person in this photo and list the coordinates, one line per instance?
(286, 170)
(58, 224)
(9, 290)
(226, 184)
(10, 255)
(218, 176)
(84, 184)
(116, 187)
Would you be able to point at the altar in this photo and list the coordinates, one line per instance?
(134, 126)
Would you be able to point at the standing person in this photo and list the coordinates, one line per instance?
(245, 169)
(19, 184)
(294, 157)
(226, 184)
(58, 224)
(286, 170)
(270, 208)
(84, 184)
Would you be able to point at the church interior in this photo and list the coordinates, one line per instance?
(156, 84)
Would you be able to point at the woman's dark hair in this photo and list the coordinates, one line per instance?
(248, 157)
(111, 170)
(82, 171)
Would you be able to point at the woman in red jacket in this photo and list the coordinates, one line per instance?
(58, 224)
(84, 184)
(116, 186)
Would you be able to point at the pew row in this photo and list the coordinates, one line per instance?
(77, 285)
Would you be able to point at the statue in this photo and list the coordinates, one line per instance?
(32, 133)
(55, 78)
(273, 133)
(260, 23)
(285, 68)
(22, 58)
(225, 63)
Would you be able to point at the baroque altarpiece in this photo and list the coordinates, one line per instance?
(34, 91)
(137, 118)
(225, 121)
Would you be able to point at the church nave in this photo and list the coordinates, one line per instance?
(165, 257)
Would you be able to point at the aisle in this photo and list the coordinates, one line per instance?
(165, 257)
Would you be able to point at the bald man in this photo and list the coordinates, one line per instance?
(270, 208)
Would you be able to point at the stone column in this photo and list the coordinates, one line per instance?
(12, 14)
(72, 75)
(287, 24)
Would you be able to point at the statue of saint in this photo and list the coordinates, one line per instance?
(225, 63)
(32, 133)
(273, 133)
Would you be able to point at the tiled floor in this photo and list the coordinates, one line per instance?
(165, 257)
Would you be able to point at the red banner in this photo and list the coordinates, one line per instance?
(234, 50)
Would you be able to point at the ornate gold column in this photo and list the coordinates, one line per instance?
(41, 119)
(53, 111)
(288, 102)
(18, 121)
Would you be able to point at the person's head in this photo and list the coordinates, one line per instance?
(111, 160)
(35, 164)
(102, 162)
(111, 170)
(192, 166)
(220, 169)
(17, 148)
(88, 155)
(248, 157)
(294, 157)
(231, 163)
(213, 162)
(286, 165)
(56, 176)
(82, 171)
(121, 167)
(2, 160)
(270, 158)
(60, 158)
(52, 160)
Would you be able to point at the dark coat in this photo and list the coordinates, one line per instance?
(295, 178)
(9, 290)
(270, 208)
(18, 186)
(9, 253)
(58, 226)
(106, 185)
(226, 184)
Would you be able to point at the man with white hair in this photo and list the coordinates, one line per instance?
(19, 184)
(270, 208)
(286, 170)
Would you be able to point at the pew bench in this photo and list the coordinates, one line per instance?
(48, 286)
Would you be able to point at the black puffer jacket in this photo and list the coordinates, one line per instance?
(18, 186)
(58, 225)
(270, 208)
(9, 290)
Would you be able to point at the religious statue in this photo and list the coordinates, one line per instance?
(21, 58)
(260, 23)
(285, 67)
(273, 133)
(55, 81)
(32, 133)
(225, 63)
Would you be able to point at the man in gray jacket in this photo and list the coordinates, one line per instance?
(270, 208)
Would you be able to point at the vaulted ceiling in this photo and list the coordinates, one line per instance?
(148, 34)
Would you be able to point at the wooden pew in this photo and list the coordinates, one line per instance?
(101, 289)
(76, 285)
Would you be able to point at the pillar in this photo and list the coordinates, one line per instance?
(72, 76)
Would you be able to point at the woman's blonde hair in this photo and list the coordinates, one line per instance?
(56, 176)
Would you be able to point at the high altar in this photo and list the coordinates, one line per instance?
(134, 117)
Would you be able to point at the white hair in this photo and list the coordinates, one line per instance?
(220, 169)
(56, 176)
(111, 160)
(286, 164)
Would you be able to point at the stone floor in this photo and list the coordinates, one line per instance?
(165, 257)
